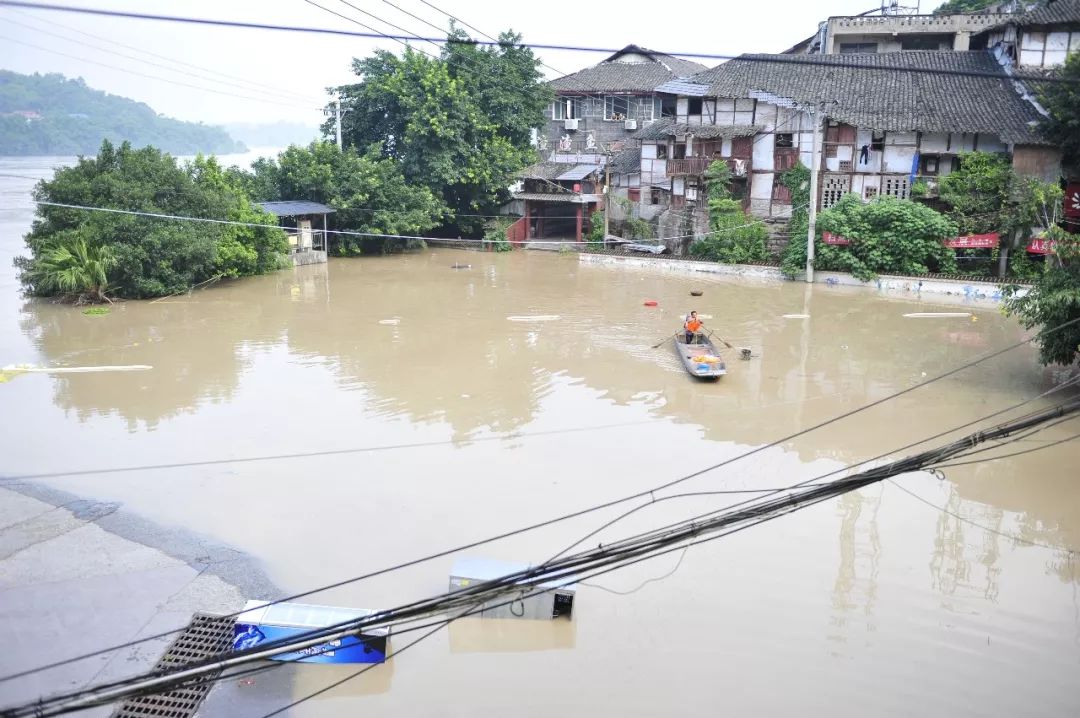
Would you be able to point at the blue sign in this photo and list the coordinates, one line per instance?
(351, 649)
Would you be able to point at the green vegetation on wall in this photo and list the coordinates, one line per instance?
(734, 237)
(52, 115)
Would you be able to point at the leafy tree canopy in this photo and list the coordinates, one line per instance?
(69, 118)
(458, 124)
(887, 235)
(959, 7)
(368, 192)
(135, 256)
(734, 237)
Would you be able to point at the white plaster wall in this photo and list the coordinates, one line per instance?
(935, 142)
(648, 151)
(681, 106)
(991, 143)
(898, 159)
(766, 116)
(763, 152)
(870, 182)
(1057, 46)
(634, 180)
(761, 185)
(962, 142)
(725, 148)
(678, 186)
(899, 138)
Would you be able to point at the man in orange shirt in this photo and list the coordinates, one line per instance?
(692, 325)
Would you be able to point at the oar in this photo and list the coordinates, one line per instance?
(663, 341)
(710, 331)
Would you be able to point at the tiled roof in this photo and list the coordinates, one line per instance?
(683, 87)
(1052, 13)
(669, 128)
(611, 75)
(897, 91)
(543, 170)
(627, 161)
(294, 208)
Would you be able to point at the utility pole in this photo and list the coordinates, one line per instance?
(337, 119)
(607, 198)
(818, 118)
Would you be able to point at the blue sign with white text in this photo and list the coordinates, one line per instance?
(351, 649)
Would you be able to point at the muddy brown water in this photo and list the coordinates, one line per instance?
(874, 603)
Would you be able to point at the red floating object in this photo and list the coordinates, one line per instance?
(651, 303)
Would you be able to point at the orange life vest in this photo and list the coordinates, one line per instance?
(693, 324)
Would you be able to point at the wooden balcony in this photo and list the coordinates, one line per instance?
(696, 166)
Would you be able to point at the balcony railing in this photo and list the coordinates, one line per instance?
(694, 166)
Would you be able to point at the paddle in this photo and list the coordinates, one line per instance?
(722, 341)
(663, 341)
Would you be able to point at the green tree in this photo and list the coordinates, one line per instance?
(148, 256)
(959, 7)
(978, 194)
(793, 258)
(1062, 101)
(368, 193)
(1053, 301)
(73, 269)
(733, 236)
(458, 124)
(887, 235)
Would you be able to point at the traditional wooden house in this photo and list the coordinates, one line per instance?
(890, 120)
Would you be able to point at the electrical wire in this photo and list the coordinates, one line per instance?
(1067, 439)
(958, 517)
(611, 503)
(286, 97)
(397, 39)
(617, 555)
(254, 85)
(152, 77)
(775, 59)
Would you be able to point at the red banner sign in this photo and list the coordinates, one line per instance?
(1072, 200)
(830, 238)
(1041, 246)
(974, 241)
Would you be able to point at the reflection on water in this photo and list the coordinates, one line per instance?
(302, 361)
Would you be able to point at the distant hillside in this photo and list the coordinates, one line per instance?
(276, 134)
(52, 115)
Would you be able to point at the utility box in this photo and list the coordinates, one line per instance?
(262, 622)
(558, 602)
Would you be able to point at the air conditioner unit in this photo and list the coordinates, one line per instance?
(570, 124)
(630, 124)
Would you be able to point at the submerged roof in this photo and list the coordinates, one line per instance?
(619, 74)
(294, 208)
(897, 91)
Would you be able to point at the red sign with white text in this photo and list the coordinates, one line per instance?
(974, 241)
(1072, 200)
(1041, 246)
(830, 238)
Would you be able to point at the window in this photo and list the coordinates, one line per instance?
(877, 141)
(833, 188)
(896, 187)
(930, 164)
(668, 106)
(680, 151)
(661, 152)
(693, 106)
(634, 194)
(926, 42)
(616, 107)
(565, 108)
(785, 139)
(656, 196)
(855, 48)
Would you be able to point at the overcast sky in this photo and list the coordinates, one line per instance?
(293, 69)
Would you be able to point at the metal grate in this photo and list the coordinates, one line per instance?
(206, 635)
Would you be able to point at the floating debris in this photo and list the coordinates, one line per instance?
(390, 322)
(796, 316)
(936, 315)
(651, 303)
(696, 293)
(534, 318)
(460, 266)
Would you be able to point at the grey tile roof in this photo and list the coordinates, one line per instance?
(611, 75)
(1053, 12)
(576, 172)
(898, 91)
(683, 87)
(294, 208)
(627, 161)
(669, 128)
(543, 170)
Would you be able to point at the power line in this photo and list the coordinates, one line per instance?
(247, 84)
(151, 77)
(357, 22)
(609, 504)
(617, 555)
(390, 24)
(789, 60)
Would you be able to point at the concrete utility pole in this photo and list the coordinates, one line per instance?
(817, 117)
(337, 120)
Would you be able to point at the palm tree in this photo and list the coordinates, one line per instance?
(74, 269)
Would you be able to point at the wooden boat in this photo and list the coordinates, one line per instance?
(701, 359)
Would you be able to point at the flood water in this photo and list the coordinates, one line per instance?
(871, 604)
